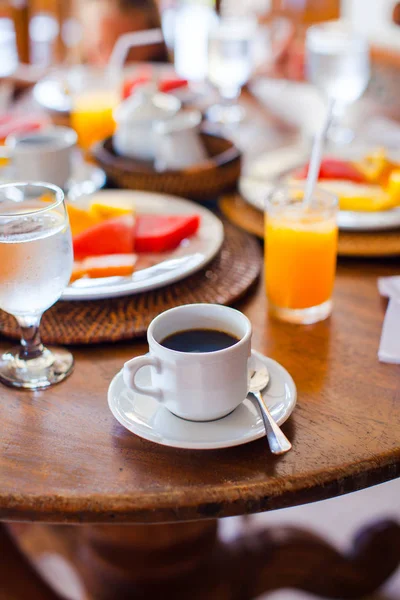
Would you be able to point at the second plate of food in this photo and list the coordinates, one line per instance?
(174, 239)
(367, 183)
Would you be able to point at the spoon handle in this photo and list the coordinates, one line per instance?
(277, 440)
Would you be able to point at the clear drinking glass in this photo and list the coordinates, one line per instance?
(35, 266)
(94, 96)
(230, 64)
(338, 64)
(300, 254)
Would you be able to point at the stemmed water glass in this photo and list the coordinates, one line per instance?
(338, 64)
(230, 65)
(35, 266)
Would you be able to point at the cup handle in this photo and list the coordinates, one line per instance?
(133, 366)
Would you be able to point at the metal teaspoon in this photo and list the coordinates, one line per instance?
(277, 440)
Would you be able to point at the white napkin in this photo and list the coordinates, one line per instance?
(389, 286)
(389, 348)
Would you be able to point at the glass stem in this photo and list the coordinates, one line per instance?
(229, 95)
(31, 345)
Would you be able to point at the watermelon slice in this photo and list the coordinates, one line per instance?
(332, 168)
(159, 233)
(114, 236)
(168, 85)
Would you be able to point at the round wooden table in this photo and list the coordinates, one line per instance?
(65, 460)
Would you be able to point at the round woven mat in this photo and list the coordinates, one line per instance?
(374, 243)
(223, 281)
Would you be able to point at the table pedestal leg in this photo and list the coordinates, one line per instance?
(187, 561)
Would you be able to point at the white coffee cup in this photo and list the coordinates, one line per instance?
(44, 155)
(198, 386)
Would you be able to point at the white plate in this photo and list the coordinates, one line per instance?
(150, 420)
(258, 184)
(192, 254)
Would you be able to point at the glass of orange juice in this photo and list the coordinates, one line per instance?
(300, 254)
(94, 98)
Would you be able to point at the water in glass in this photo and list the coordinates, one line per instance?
(35, 262)
(229, 59)
(338, 63)
(230, 64)
(35, 266)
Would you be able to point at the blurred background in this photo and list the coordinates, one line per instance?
(58, 34)
(52, 32)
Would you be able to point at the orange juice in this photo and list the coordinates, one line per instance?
(300, 263)
(300, 259)
(92, 116)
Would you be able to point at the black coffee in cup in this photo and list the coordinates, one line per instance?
(199, 340)
(37, 140)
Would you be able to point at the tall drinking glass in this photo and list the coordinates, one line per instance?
(338, 64)
(94, 96)
(300, 254)
(230, 64)
(35, 267)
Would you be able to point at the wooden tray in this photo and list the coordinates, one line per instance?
(376, 243)
(202, 182)
(223, 281)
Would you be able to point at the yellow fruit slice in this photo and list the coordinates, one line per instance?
(360, 197)
(393, 186)
(80, 219)
(102, 211)
(376, 167)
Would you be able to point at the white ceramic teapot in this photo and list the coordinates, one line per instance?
(135, 118)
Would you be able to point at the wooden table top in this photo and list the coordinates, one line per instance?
(65, 458)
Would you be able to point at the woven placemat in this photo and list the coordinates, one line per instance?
(374, 243)
(223, 281)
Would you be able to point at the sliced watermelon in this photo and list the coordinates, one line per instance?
(168, 85)
(159, 233)
(132, 84)
(114, 236)
(332, 168)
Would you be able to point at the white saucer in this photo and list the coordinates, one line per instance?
(85, 178)
(150, 420)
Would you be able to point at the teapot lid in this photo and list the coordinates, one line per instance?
(146, 104)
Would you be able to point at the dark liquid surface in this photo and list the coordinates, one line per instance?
(37, 140)
(199, 340)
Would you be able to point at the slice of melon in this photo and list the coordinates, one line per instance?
(113, 236)
(110, 265)
(393, 186)
(359, 197)
(102, 210)
(160, 233)
(376, 166)
(80, 219)
(78, 271)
